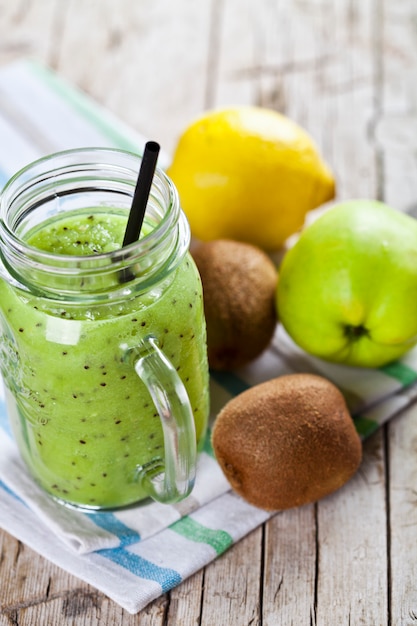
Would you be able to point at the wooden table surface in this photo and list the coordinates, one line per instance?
(346, 71)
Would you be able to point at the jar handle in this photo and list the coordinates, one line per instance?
(171, 479)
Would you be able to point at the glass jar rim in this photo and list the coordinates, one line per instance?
(9, 188)
(89, 161)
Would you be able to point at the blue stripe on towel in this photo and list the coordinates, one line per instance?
(164, 576)
(10, 492)
(109, 522)
(229, 381)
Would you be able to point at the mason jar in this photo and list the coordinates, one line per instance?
(102, 347)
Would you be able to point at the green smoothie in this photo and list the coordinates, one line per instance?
(82, 417)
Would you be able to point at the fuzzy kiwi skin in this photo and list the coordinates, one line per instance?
(287, 442)
(239, 283)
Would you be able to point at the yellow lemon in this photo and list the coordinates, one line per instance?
(249, 174)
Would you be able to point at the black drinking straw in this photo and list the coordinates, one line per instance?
(141, 195)
(140, 201)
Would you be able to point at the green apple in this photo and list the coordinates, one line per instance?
(347, 290)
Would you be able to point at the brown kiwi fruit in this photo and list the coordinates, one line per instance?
(239, 283)
(287, 442)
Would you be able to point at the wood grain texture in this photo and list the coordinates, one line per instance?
(395, 134)
(289, 571)
(232, 585)
(346, 71)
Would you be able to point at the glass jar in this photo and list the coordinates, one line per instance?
(103, 353)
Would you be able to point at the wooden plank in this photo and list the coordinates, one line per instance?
(26, 29)
(316, 571)
(232, 585)
(289, 575)
(80, 608)
(352, 522)
(128, 59)
(352, 546)
(396, 124)
(35, 591)
(123, 58)
(315, 62)
(312, 61)
(396, 136)
(20, 583)
(403, 518)
(185, 601)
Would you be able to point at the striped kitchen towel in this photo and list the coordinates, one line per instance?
(135, 555)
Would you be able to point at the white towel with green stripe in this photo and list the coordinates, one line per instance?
(135, 555)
